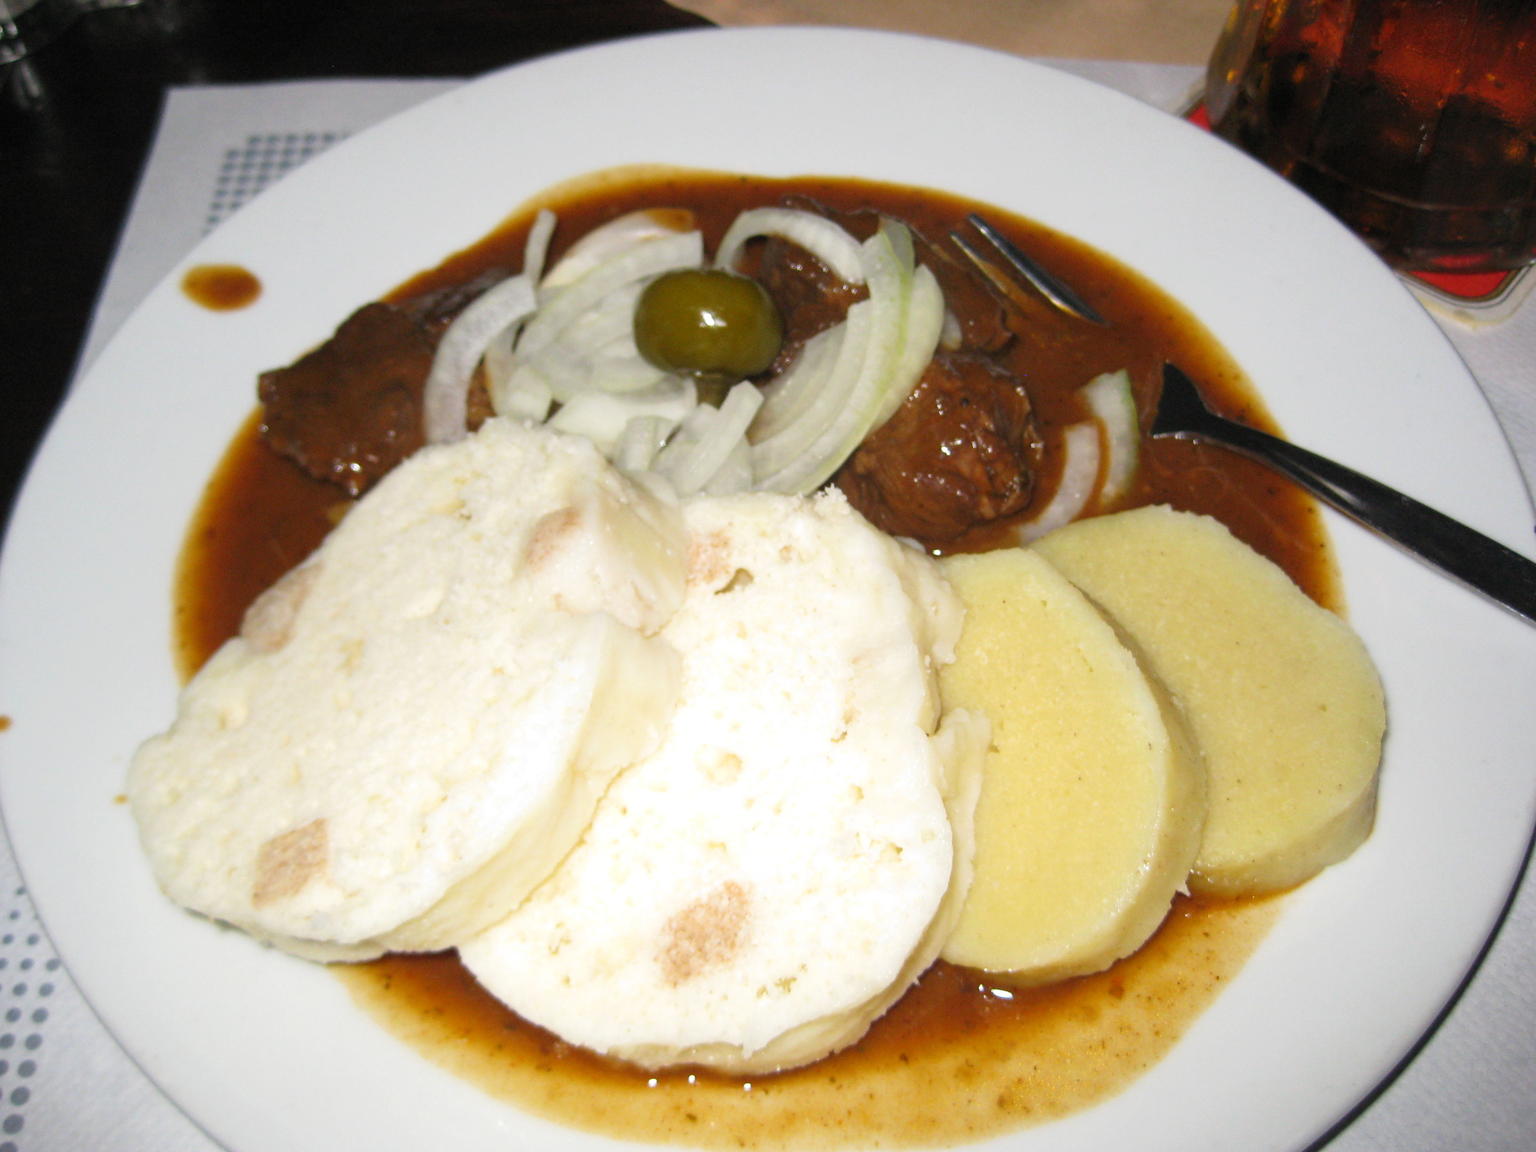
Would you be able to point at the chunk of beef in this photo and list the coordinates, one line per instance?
(970, 299)
(982, 314)
(810, 297)
(438, 308)
(960, 452)
(350, 410)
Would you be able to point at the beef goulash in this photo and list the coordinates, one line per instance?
(667, 628)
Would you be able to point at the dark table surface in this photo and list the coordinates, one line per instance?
(77, 117)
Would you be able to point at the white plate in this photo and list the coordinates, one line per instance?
(267, 1053)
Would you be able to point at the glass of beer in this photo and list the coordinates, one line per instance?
(1413, 121)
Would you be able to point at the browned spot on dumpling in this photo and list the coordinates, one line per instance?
(549, 535)
(286, 863)
(706, 934)
(268, 622)
(709, 559)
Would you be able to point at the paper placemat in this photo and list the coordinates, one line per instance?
(65, 1084)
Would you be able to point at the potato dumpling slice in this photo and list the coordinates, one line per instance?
(1280, 694)
(1093, 799)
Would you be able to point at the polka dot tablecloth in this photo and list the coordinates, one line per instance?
(30, 975)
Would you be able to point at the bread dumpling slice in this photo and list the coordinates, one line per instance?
(1093, 797)
(756, 892)
(414, 725)
(1280, 694)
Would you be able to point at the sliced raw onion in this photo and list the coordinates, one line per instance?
(1113, 405)
(925, 325)
(900, 332)
(622, 372)
(735, 475)
(575, 353)
(706, 439)
(640, 441)
(498, 362)
(602, 416)
(597, 349)
(562, 368)
(826, 396)
(1074, 486)
(787, 394)
(842, 406)
(523, 394)
(610, 319)
(606, 241)
(639, 262)
(497, 359)
(536, 250)
(829, 242)
(446, 399)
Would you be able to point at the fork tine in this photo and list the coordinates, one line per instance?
(1011, 286)
(1048, 285)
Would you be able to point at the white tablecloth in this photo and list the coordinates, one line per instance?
(65, 1083)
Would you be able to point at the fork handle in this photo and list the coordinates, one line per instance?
(1481, 563)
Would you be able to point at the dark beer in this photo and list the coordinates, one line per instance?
(1413, 121)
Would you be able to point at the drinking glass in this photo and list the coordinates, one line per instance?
(1413, 121)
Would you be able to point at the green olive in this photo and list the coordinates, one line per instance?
(708, 323)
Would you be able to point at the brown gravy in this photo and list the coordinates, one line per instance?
(954, 1061)
(960, 1057)
(221, 287)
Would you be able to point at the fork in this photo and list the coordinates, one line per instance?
(1025, 267)
(1482, 564)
